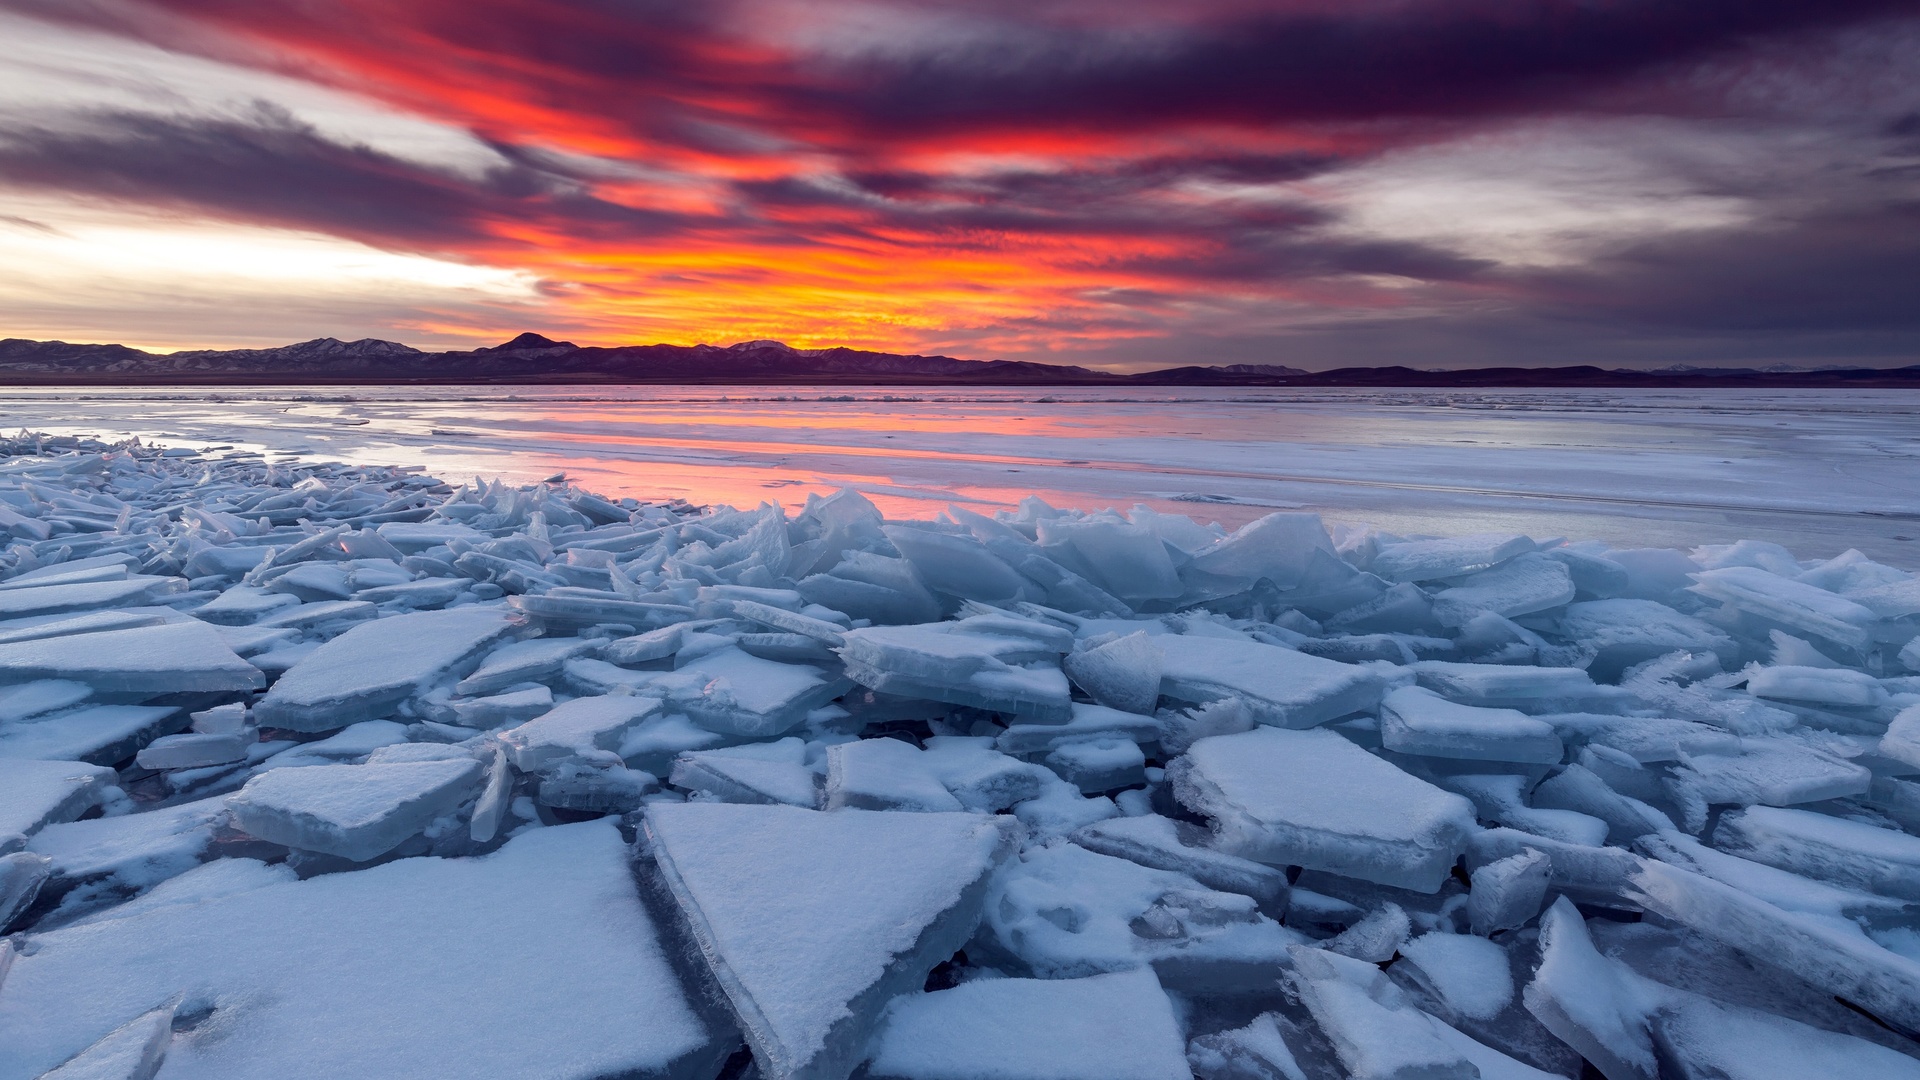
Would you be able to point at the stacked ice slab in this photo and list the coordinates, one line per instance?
(309, 770)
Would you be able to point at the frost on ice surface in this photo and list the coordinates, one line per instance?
(1314, 799)
(354, 811)
(35, 794)
(323, 770)
(1104, 1027)
(390, 971)
(364, 672)
(811, 921)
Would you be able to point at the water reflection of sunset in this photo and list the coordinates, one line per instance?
(1566, 462)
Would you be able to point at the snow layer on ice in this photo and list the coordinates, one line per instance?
(364, 672)
(536, 960)
(1105, 1027)
(1314, 799)
(357, 812)
(811, 921)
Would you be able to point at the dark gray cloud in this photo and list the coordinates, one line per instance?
(268, 167)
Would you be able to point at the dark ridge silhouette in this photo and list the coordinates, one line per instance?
(532, 358)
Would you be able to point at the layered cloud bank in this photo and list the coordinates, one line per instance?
(1115, 184)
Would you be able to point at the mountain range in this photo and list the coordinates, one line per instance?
(531, 358)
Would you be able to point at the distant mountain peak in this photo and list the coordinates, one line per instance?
(761, 343)
(527, 341)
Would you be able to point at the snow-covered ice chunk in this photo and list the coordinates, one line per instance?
(83, 596)
(652, 744)
(367, 671)
(113, 568)
(1790, 603)
(1376, 937)
(1527, 584)
(1160, 843)
(1065, 912)
(1375, 1032)
(1825, 686)
(1314, 799)
(40, 696)
(774, 772)
(579, 728)
(1432, 560)
(1698, 1036)
(98, 734)
(1781, 888)
(1088, 721)
(1644, 738)
(194, 750)
(349, 743)
(240, 605)
(1588, 1001)
(324, 616)
(425, 593)
(811, 921)
(1259, 1051)
(982, 778)
(102, 860)
(1777, 772)
(1098, 763)
(1504, 686)
(595, 788)
(514, 707)
(1414, 720)
(35, 794)
(358, 812)
(1501, 798)
(1106, 1027)
(997, 665)
(37, 627)
(1830, 954)
(1860, 856)
(884, 774)
(1122, 674)
(301, 977)
(1468, 974)
(736, 693)
(132, 1051)
(533, 660)
(1060, 808)
(1281, 687)
(167, 658)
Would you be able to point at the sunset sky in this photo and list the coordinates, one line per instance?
(1105, 182)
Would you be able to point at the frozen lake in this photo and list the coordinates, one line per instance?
(1819, 471)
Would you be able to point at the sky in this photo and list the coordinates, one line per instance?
(1114, 183)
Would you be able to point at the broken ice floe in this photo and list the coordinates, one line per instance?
(318, 770)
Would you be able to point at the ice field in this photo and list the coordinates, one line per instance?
(330, 763)
(1819, 471)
